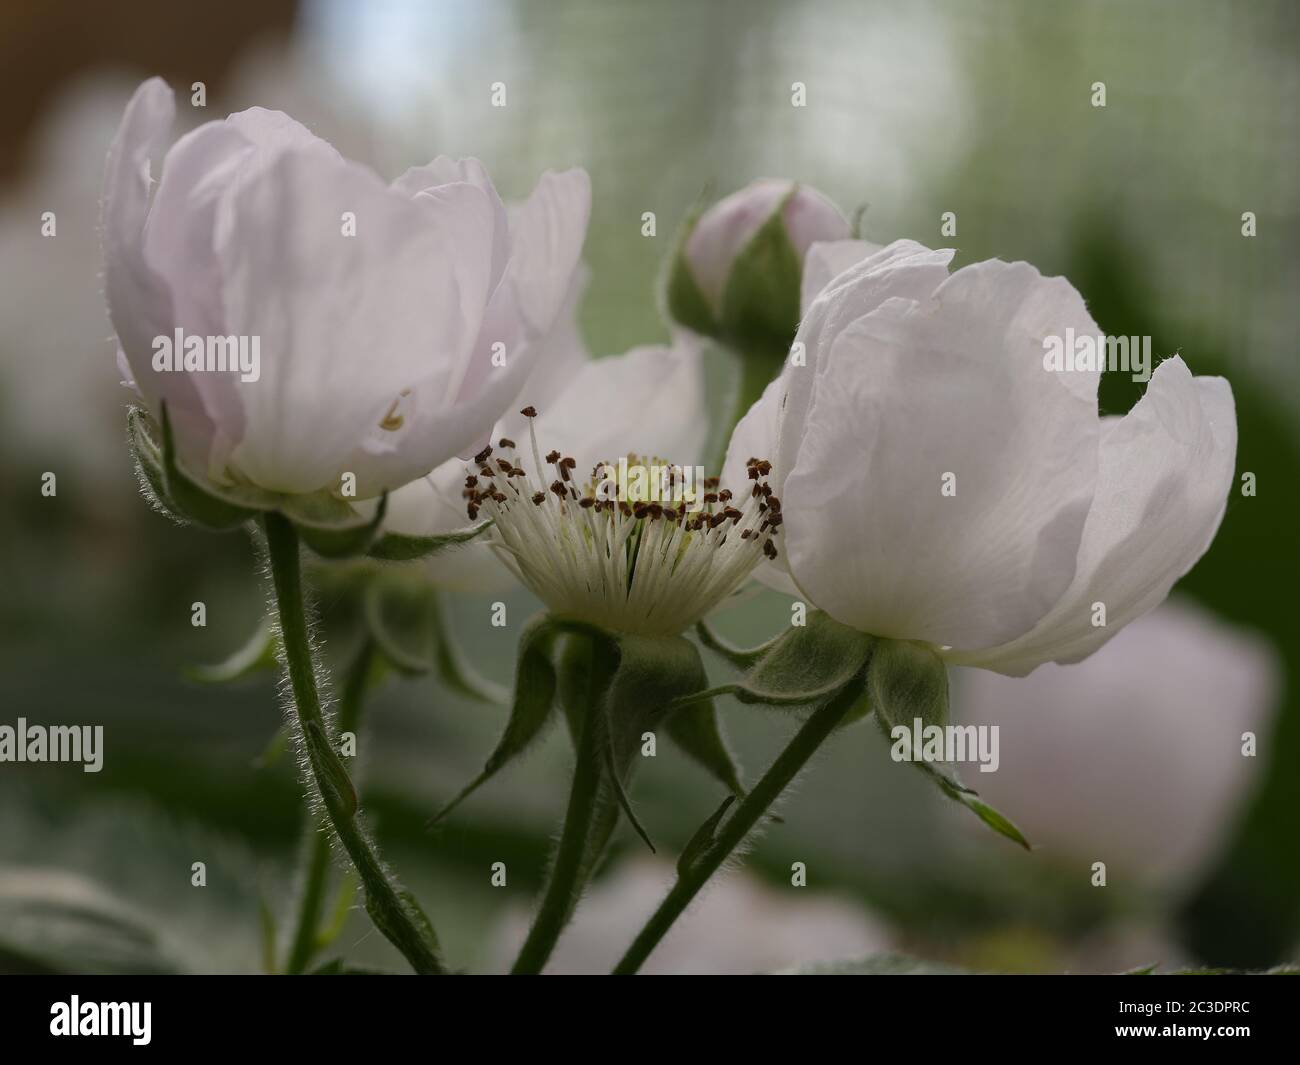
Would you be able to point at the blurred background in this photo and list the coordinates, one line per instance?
(983, 109)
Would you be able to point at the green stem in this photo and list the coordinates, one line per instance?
(391, 914)
(316, 877)
(736, 827)
(572, 860)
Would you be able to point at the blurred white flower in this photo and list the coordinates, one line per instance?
(396, 323)
(738, 925)
(940, 484)
(1133, 757)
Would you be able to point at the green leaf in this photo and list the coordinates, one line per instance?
(342, 538)
(703, 838)
(421, 920)
(803, 665)
(259, 654)
(199, 505)
(59, 921)
(398, 547)
(696, 731)
(347, 893)
(907, 681)
(534, 697)
(333, 773)
(760, 303)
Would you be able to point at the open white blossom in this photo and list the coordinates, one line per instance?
(942, 485)
(595, 519)
(395, 322)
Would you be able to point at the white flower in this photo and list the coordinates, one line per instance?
(941, 485)
(738, 926)
(1133, 757)
(615, 524)
(395, 322)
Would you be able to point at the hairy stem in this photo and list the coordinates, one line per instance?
(736, 827)
(393, 915)
(317, 866)
(582, 828)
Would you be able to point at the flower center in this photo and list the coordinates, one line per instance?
(638, 549)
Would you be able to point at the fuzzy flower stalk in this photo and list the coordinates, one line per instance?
(367, 318)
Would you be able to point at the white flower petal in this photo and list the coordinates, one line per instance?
(139, 301)
(825, 261)
(648, 401)
(547, 232)
(346, 322)
(904, 270)
(916, 390)
(1165, 471)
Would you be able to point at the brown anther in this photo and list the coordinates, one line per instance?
(769, 549)
(471, 481)
(472, 510)
(529, 412)
(557, 488)
(586, 502)
(711, 497)
(725, 495)
(711, 482)
(552, 456)
(482, 456)
(505, 466)
(505, 441)
(538, 497)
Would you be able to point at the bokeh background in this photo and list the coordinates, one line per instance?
(980, 108)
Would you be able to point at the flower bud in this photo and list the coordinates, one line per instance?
(737, 271)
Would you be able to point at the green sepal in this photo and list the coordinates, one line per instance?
(696, 731)
(740, 657)
(399, 547)
(534, 696)
(149, 462)
(333, 773)
(184, 496)
(802, 666)
(328, 525)
(259, 654)
(404, 615)
(684, 302)
(908, 681)
(760, 302)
